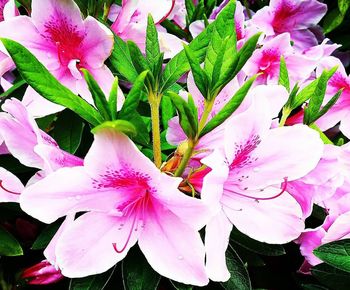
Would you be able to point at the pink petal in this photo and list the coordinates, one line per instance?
(217, 236)
(67, 190)
(275, 221)
(173, 249)
(86, 247)
(10, 186)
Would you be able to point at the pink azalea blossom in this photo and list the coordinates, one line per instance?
(64, 43)
(292, 16)
(248, 182)
(131, 24)
(26, 142)
(267, 59)
(127, 200)
(42, 273)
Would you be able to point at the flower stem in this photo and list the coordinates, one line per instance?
(285, 114)
(154, 101)
(323, 136)
(185, 158)
(192, 143)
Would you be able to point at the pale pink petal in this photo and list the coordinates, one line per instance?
(98, 42)
(67, 190)
(285, 152)
(276, 221)
(86, 247)
(175, 135)
(217, 236)
(340, 229)
(173, 249)
(310, 240)
(10, 186)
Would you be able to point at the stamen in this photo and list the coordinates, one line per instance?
(9, 191)
(169, 12)
(283, 189)
(128, 238)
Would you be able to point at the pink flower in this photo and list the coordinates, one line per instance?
(293, 16)
(248, 182)
(64, 43)
(127, 199)
(131, 24)
(42, 273)
(30, 145)
(267, 59)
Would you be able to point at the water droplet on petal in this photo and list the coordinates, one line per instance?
(70, 198)
(256, 169)
(78, 197)
(180, 257)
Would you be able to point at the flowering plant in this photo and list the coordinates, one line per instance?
(174, 144)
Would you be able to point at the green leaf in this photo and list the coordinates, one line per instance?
(317, 97)
(133, 99)
(42, 81)
(68, 131)
(152, 44)
(326, 108)
(239, 275)
(9, 246)
(98, 95)
(229, 108)
(117, 125)
(333, 19)
(331, 277)
(113, 98)
(46, 236)
(179, 65)
(96, 282)
(199, 75)
(336, 254)
(167, 110)
(313, 287)
(11, 90)
(190, 8)
(143, 136)
(284, 76)
(138, 274)
(186, 115)
(255, 246)
(246, 52)
(223, 29)
(137, 59)
(121, 60)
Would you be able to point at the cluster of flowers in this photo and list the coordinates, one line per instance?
(258, 171)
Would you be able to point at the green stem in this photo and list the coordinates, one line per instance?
(285, 114)
(185, 158)
(192, 143)
(154, 101)
(323, 136)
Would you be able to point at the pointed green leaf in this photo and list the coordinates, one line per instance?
(9, 246)
(133, 98)
(113, 98)
(284, 76)
(336, 254)
(317, 96)
(98, 95)
(198, 74)
(179, 65)
(331, 277)
(239, 275)
(229, 108)
(122, 61)
(186, 115)
(68, 131)
(42, 81)
(152, 44)
(46, 236)
(224, 29)
(137, 59)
